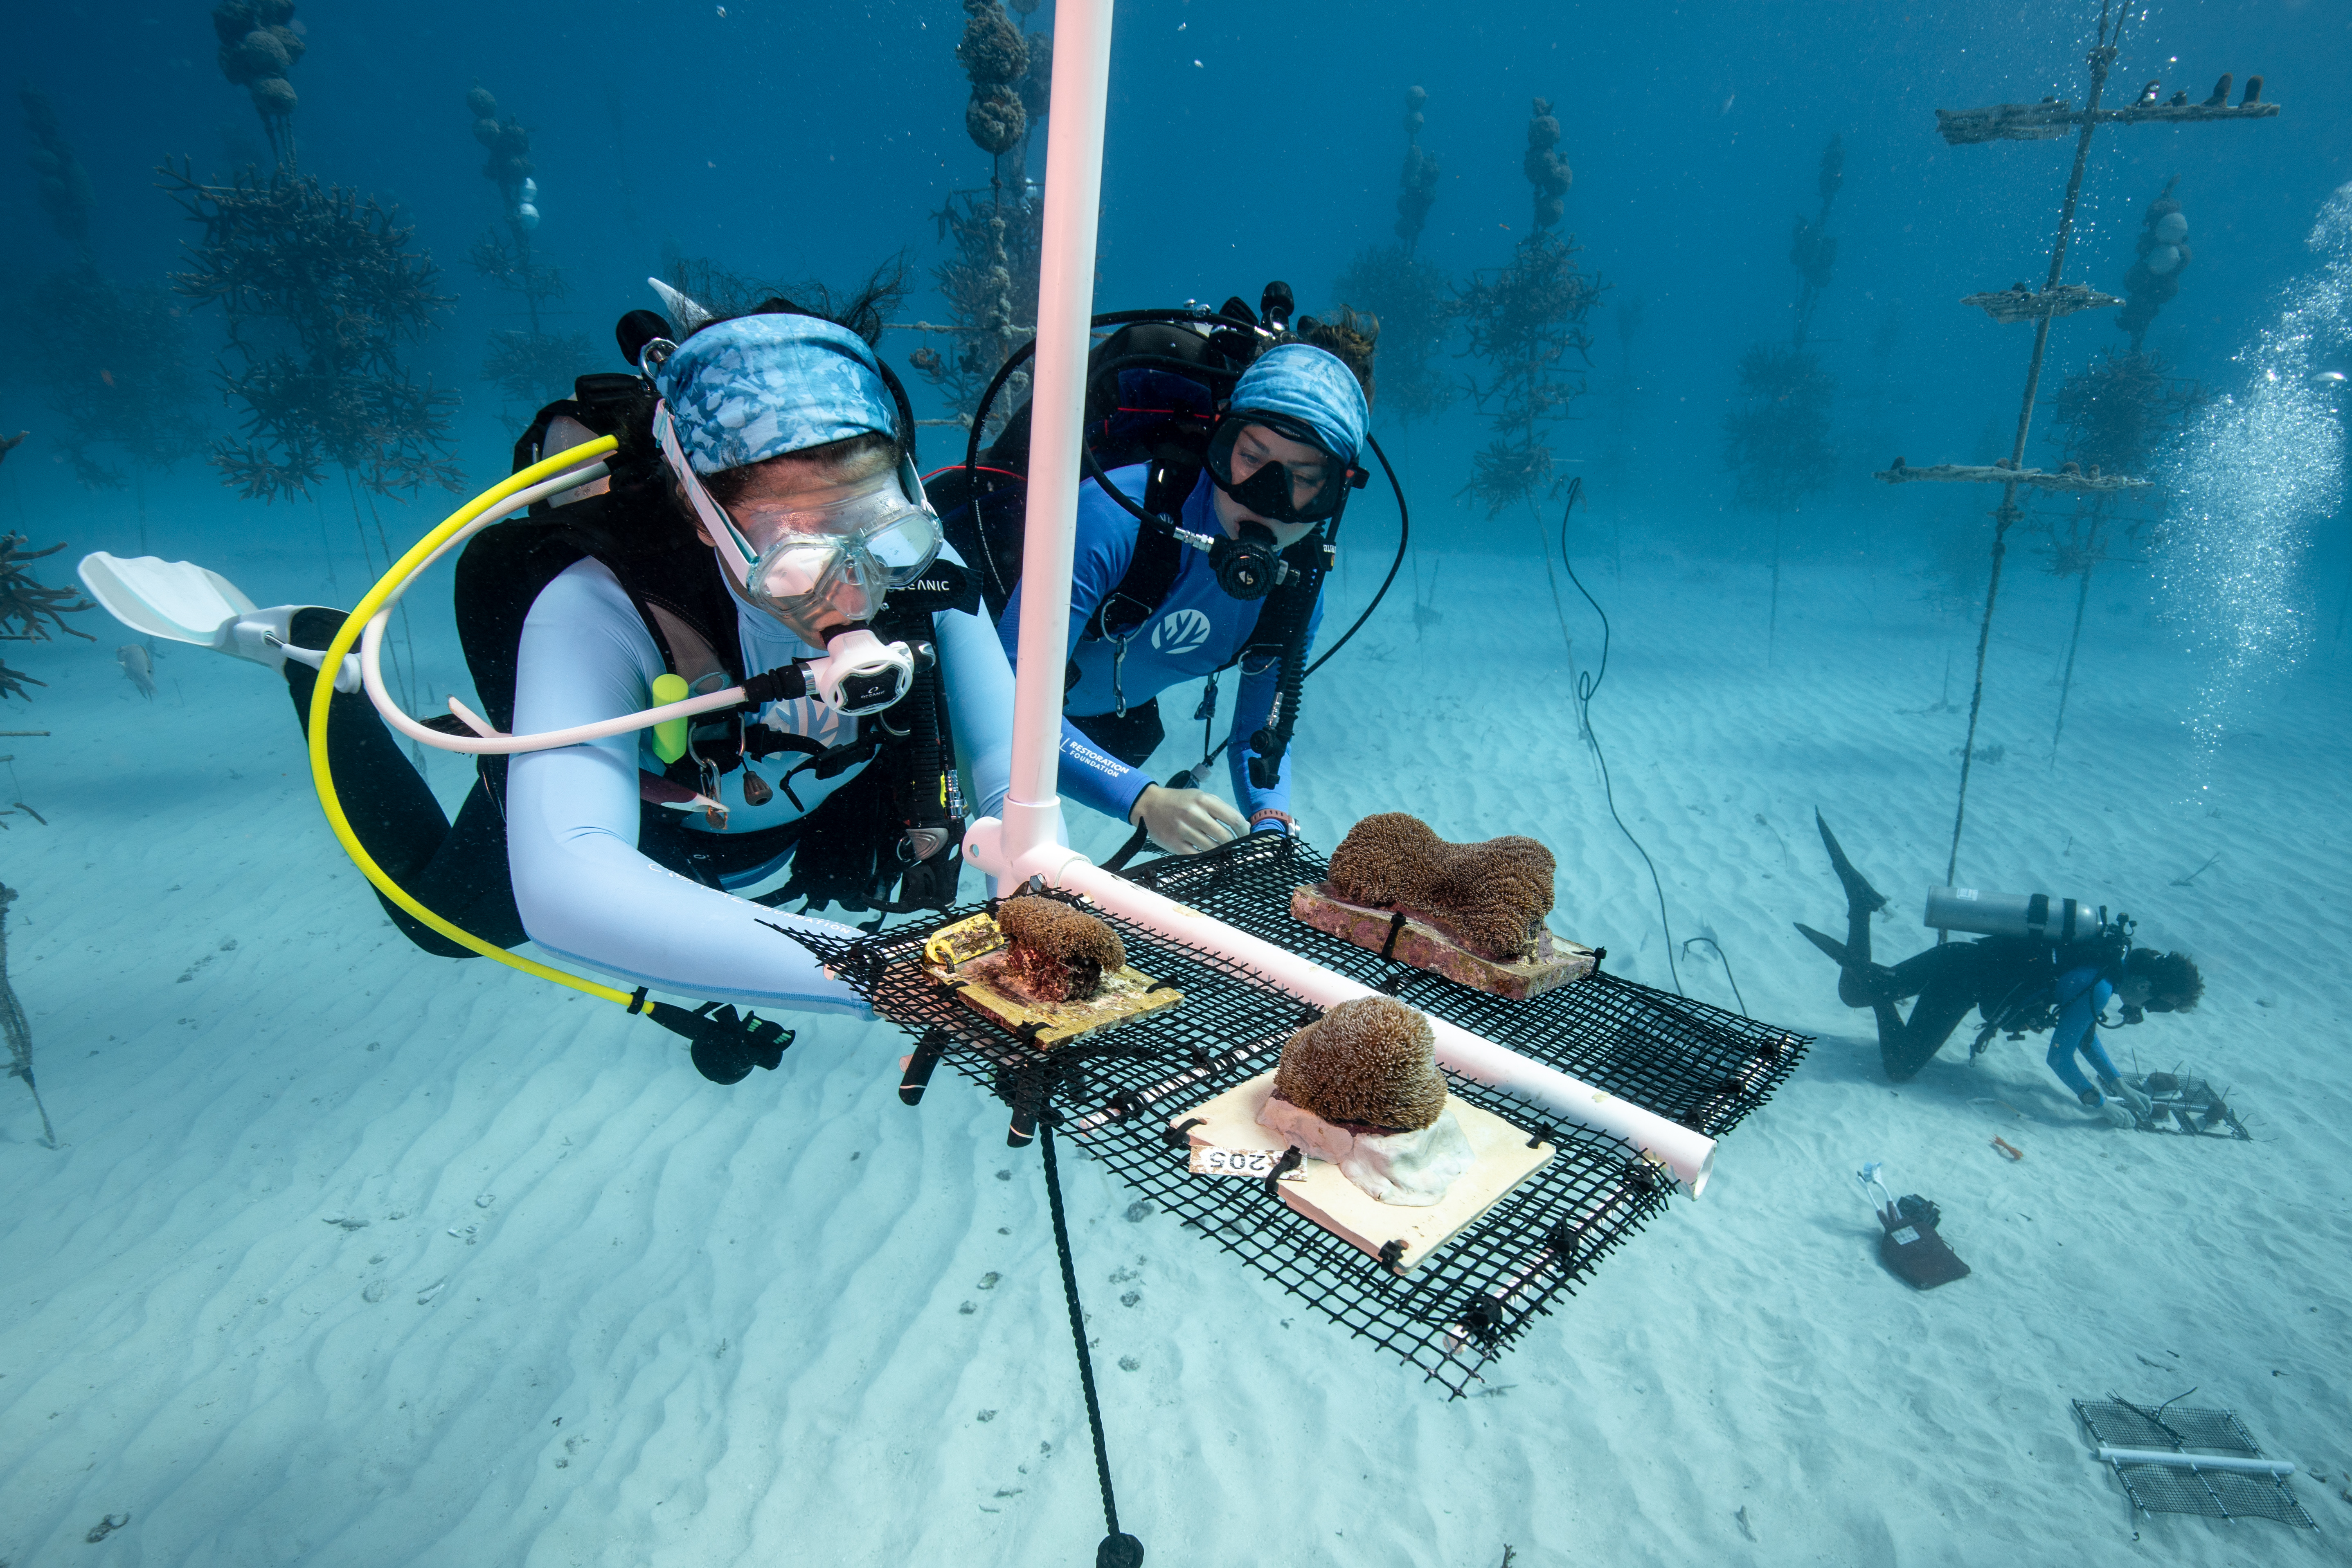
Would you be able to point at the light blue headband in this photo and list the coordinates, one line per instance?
(1313, 386)
(757, 386)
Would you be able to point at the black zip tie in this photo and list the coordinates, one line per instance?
(637, 1001)
(1543, 1134)
(1484, 1318)
(1118, 1549)
(1396, 928)
(1292, 1158)
(1391, 1251)
(1175, 1135)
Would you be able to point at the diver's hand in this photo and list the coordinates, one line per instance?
(1185, 821)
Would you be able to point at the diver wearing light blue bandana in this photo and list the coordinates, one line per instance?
(1279, 464)
(786, 442)
(756, 387)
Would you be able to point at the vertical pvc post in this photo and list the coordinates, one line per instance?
(1066, 287)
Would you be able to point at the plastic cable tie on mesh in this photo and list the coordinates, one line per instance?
(1396, 928)
(1484, 1318)
(1390, 1252)
(1292, 1158)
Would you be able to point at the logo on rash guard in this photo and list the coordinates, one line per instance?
(1181, 632)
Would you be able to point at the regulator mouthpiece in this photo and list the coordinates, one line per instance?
(861, 674)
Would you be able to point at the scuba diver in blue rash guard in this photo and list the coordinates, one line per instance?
(1279, 464)
(2043, 979)
(762, 524)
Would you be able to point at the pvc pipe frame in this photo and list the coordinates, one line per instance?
(1027, 842)
(2195, 1461)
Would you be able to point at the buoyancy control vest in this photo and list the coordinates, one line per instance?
(858, 848)
(2017, 981)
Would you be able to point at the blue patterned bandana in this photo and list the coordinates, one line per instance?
(759, 386)
(1313, 386)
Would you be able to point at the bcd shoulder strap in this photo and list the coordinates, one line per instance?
(1151, 570)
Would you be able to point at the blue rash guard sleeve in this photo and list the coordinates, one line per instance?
(2084, 996)
(1090, 776)
(980, 706)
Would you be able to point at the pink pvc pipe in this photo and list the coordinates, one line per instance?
(1065, 285)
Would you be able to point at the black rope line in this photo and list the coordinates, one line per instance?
(1115, 1542)
(1587, 685)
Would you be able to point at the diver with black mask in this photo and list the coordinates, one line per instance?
(2042, 964)
(1280, 462)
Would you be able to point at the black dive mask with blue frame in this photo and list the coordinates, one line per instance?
(1272, 489)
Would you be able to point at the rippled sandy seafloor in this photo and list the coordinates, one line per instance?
(691, 1325)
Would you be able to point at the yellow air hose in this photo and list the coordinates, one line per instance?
(726, 1048)
(323, 700)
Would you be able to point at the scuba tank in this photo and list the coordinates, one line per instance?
(2033, 917)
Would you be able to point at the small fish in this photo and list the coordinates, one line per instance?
(137, 665)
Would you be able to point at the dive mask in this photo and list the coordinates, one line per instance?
(833, 559)
(1274, 489)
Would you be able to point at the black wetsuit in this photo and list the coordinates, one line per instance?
(2005, 978)
(2012, 983)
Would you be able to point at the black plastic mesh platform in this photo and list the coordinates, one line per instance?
(2167, 1489)
(1694, 1063)
(1114, 1094)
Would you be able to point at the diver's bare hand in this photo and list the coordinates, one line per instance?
(1186, 821)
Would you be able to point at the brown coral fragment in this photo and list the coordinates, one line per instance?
(1369, 1063)
(1491, 896)
(1058, 952)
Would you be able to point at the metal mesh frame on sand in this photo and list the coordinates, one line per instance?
(1113, 1094)
(2167, 1489)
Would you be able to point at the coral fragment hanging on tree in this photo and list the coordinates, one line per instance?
(320, 289)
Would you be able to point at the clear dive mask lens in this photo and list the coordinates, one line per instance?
(833, 557)
(1274, 489)
(868, 542)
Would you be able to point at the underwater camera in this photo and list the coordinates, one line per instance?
(2035, 917)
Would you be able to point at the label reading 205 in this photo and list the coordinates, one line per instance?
(1259, 1163)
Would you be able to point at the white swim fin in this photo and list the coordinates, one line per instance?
(183, 602)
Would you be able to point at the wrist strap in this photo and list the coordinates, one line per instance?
(1289, 822)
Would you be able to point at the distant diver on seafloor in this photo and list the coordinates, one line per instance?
(2039, 963)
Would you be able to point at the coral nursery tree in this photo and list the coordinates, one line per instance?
(529, 365)
(1410, 299)
(319, 291)
(989, 282)
(1526, 322)
(1776, 442)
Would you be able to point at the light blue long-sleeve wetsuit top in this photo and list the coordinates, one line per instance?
(2082, 996)
(1198, 629)
(584, 891)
